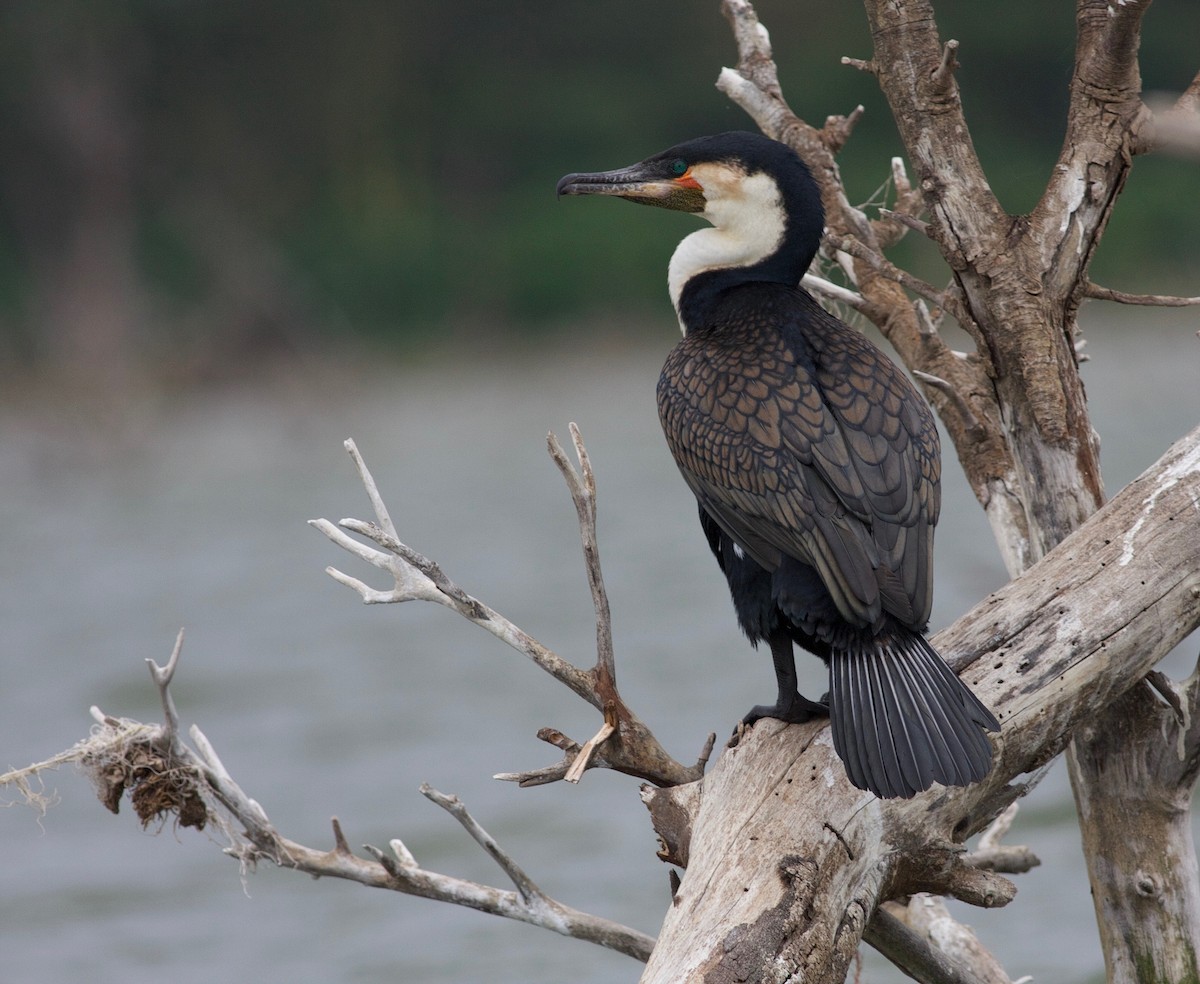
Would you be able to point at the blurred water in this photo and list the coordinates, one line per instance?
(321, 706)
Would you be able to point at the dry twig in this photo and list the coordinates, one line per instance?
(164, 776)
(623, 742)
(1145, 300)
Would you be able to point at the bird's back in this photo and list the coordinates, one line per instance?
(804, 443)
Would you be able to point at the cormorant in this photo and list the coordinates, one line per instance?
(814, 461)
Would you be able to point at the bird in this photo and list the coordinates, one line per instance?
(814, 461)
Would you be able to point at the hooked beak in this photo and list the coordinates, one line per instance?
(644, 183)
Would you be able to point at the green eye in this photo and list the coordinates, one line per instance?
(678, 166)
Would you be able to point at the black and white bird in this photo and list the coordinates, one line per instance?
(814, 460)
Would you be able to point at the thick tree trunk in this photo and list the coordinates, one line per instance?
(1134, 771)
(786, 862)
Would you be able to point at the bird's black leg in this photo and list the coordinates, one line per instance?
(790, 706)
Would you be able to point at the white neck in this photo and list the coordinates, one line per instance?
(748, 226)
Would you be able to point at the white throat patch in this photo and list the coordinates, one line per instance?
(747, 219)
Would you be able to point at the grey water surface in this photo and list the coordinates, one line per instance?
(321, 706)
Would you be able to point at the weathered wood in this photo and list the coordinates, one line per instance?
(1021, 277)
(965, 402)
(1015, 407)
(1136, 822)
(788, 862)
(929, 946)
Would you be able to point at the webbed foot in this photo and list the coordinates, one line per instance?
(795, 709)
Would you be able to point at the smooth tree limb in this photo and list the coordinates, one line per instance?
(1143, 300)
(908, 940)
(1176, 127)
(582, 486)
(929, 945)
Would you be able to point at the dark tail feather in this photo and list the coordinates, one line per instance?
(902, 720)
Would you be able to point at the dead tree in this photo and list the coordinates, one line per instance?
(1017, 415)
(788, 867)
(794, 865)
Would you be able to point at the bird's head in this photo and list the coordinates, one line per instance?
(718, 177)
(759, 195)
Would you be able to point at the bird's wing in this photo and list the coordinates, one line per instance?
(892, 440)
(819, 455)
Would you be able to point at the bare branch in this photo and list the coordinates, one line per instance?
(753, 44)
(886, 268)
(964, 407)
(165, 776)
(1143, 871)
(162, 676)
(454, 806)
(893, 223)
(915, 75)
(413, 582)
(368, 480)
(990, 839)
(943, 869)
(628, 745)
(339, 839)
(994, 856)
(929, 324)
(943, 75)
(539, 777)
(1189, 99)
(1105, 123)
(863, 65)
(584, 757)
(837, 129)
(926, 939)
(583, 495)
(917, 956)
(552, 773)
(908, 221)
(1147, 300)
(836, 293)
(1175, 132)
(908, 198)
(1175, 123)
(223, 786)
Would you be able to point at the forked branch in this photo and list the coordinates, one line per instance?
(166, 777)
(881, 288)
(623, 742)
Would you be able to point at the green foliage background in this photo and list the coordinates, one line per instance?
(275, 173)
